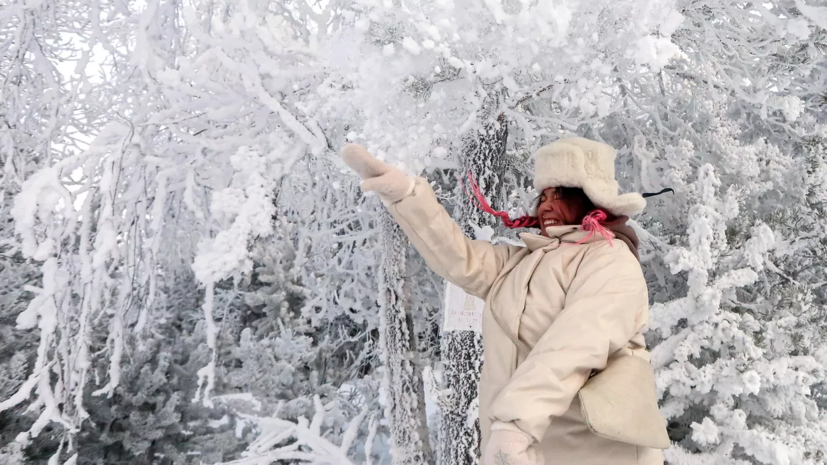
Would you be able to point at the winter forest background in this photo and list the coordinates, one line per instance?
(189, 274)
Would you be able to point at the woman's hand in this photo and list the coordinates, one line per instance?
(390, 183)
(508, 445)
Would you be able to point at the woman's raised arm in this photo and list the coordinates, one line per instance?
(472, 265)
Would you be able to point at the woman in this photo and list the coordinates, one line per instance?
(557, 310)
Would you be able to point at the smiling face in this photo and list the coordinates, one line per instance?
(560, 206)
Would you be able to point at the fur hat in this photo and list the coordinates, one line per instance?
(589, 165)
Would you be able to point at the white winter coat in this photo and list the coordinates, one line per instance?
(575, 305)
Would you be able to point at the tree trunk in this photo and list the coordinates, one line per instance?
(483, 155)
(405, 403)
(459, 439)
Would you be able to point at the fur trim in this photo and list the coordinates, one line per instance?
(589, 165)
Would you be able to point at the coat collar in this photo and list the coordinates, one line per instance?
(558, 234)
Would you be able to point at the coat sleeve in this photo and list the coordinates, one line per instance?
(606, 305)
(470, 264)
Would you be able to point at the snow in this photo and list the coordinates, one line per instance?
(225, 420)
(752, 382)
(817, 15)
(791, 106)
(411, 46)
(655, 52)
(177, 219)
(705, 432)
(227, 252)
(800, 28)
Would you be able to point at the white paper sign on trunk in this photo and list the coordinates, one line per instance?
(463, 312)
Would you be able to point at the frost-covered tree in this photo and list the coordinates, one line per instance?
(303, 441)
(42, 118)
(730, 126)
(295, 138)
(482, 155)
(448, 77)
(176, 224)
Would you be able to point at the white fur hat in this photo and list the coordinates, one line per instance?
(589, 165)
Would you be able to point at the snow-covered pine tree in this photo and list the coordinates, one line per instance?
(732, 124)
(736, 350)
(47, 115)
(405, 396)
(33, 113)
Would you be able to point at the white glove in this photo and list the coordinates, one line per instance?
(390, 183)
(509, 445)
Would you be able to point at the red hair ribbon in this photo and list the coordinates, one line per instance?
(592, 224)
(479, 200)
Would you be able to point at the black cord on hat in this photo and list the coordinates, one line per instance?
(652, 194)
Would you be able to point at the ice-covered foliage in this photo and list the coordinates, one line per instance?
(176, 226)
(732, 257)
(302, 441)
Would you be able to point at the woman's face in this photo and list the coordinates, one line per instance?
(558, 207)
